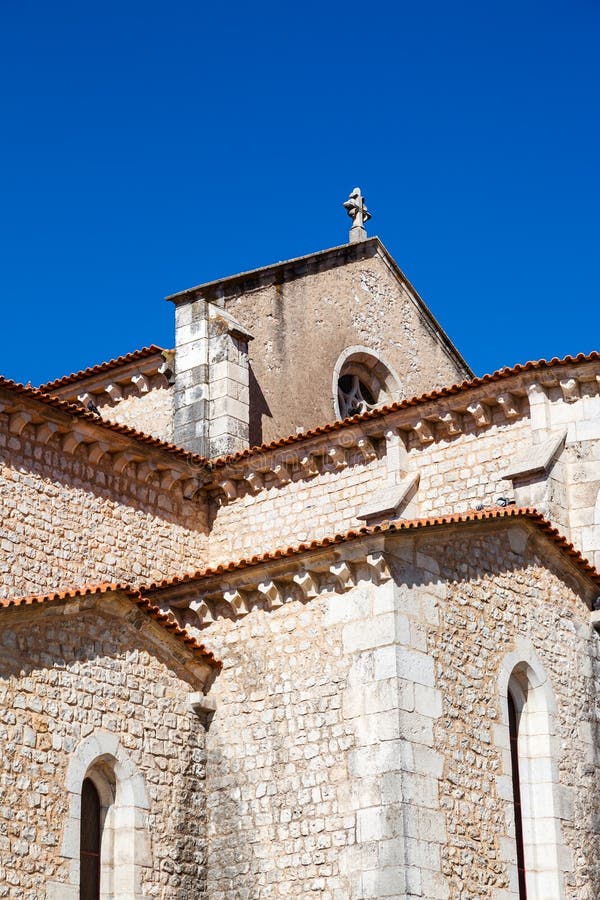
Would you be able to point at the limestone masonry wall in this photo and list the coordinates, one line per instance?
(65, 522)
(360, 745)
(455, 475)
(107, 681)
(150, 413)
(302, 510)
(583, 472)
(505, 602)
(360, 303)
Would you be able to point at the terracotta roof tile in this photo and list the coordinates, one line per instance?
(200, 461)
(134, 356)
(402, 525)
(382, 411)
(75, 409)
(136, 597)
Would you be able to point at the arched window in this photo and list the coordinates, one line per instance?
(516, 783)
(89, 843)
(535, 848)
(362, 381)
(106, 828)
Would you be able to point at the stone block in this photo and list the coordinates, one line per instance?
(435, 886)
(415, 666)
(374, 632)
(428, 761)
(416, 728)
(390, 882)
(377, 727)
(355, 605)
(371, 824)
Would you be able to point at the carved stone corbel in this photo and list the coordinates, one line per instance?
(337, 457)
(309, 466)
(271, 593)
(452, 421)
(367, 449)
(145, 471)
(342, 573)
(46, 431)
(238, 601)
(190, 488)
(96, 451)
(378, 566)
(19, 421)
(255, 482)
(202, 610)
(114, 392)
(169, 477)
(509, 405)
(481, 413)
(424, 431)
(120, 461)
(71, 441)
(282, 474)
(141, 383)
(308, 584)
(229, 488)
(570, 389)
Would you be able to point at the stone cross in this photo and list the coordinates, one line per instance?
(356, 208)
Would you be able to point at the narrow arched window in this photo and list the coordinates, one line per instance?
(90, 839)
(513, 726)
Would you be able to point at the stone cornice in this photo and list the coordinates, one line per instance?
(254, 279)
(124, 602)
(56, 424)
(338, 564)
(146, 359)
(500, 399)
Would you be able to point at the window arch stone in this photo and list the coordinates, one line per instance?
(362, 380)
(125, 841)
(546, 856)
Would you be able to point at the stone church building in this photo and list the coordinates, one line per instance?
(299, 607)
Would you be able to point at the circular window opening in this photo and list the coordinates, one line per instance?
(354, 396)
(362, 381)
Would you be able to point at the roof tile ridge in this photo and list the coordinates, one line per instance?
(166, 620)
(99, 368)
(70, 593)
(467, 516)
(73, 409)
(399, 405)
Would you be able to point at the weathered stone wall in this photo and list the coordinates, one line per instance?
(65, 522)
(322, 313)
(359, 747)
(583, 473)
(109, 679)
(458, 473)
(277, 771)
(304, 509)
(150, 413)
(499, 598)
(455, 474)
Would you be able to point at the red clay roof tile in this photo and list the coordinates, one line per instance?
(531, 514)
(382, 411)
(74, 409)
(135, 597)
(134, 356)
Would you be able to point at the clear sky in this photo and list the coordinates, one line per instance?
(150, 146)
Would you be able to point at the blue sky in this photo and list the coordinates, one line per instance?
(151, 146)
